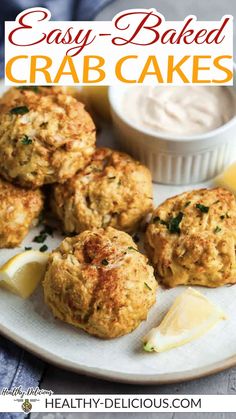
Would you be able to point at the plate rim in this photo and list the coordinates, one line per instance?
(115, 376)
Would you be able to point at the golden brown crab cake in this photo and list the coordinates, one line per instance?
(99, 282)
(11, 96)
(19, 210)
(113, 190)
(44, 138)
(191, 239)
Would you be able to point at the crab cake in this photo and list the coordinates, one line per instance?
(113, 190)
(11, 95)
(191, 239)
(19, 210)
(99, 282)
(44, 138)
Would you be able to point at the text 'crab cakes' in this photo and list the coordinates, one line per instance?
(113, 190)
(44, 138)
(99, 282)
(191, 239)
(19, 210)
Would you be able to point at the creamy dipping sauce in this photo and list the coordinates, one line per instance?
(179, 110)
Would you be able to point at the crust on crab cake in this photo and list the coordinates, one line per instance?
(99, 282)
(113, 190)
(191, 239)
(45, 136)
(19, 210)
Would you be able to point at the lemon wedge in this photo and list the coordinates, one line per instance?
(97, 97)
(190, 316)
(227, 179)
(22, 273)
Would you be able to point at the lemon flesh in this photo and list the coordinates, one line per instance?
(227, 179)
(190, 316)
(23, 272)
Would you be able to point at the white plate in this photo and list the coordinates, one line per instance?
(30, 324)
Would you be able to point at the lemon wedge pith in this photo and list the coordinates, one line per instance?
(227, 179)
(190, 316)
(22, 273)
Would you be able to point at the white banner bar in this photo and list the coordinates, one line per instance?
(137, 46)
(119, 403)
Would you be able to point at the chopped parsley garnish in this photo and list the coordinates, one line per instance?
(112, 178)
(147, 286)
(105, 262)
(132, 248)
(187, 204)
(34, 89)
(40, 238)
(26, 140)
(28, 248)
(43, 248)
(174, 223)
(19, 110)
(47, 230)
(217, 229)
(202, 208)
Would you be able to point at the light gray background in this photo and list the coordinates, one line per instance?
(61, 381)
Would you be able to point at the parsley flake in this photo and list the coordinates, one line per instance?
(202, 208)
(217, 229)
(40, 238)
(132, 248)
(26, 140)
(47, 230)
(147, 286)
(43, 248)
(174, 223)
(19, 110)
(105, 262)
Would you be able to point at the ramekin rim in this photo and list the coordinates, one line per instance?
(169, 137)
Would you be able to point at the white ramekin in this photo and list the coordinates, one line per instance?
(174, 160)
